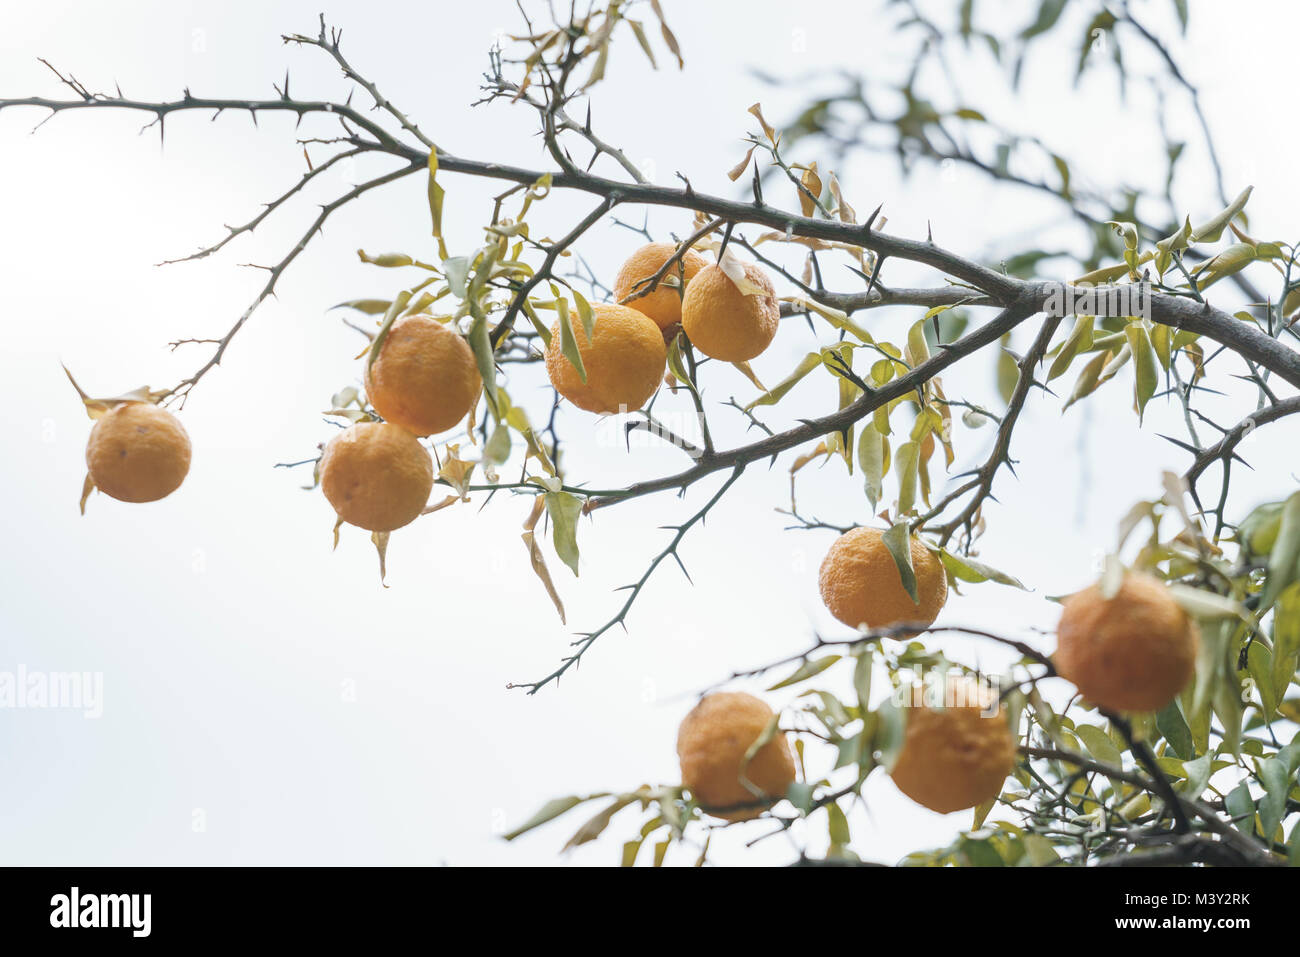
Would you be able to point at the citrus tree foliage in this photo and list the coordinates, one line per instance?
(1209, 778)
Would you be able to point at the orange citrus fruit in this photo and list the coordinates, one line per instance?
(624, 360)
(956, 756)
(424, 378)
(724, 323)
(1132, 652)
(377, 476)
(664, 303)
(138, 452)
(711, 744)
(862, 586)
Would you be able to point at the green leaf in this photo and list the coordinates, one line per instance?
(1080, 339)
(549, 812)
(767, 734)
(1284, 558)
(1227, 705)
(568, 341)
(1049, 11)
(1241, 806)
(1259, 663)
(872, 454)
(979, 853)
(1171, 723)
(1099, 744)
(1286, 640)
(1144, 363)
(371, 307)
(918, 350)
(1232, 260)
(456, 270)
(775, 394)
(808, 669)
(1040, 851)
(967, 569)
(837, 825)
(1180, 7)
(890, 727)
(480, 343)
(1127, 232)
(1273, 775)
(1089, 378)
(564, 509)
(862, 677)
(542, 330)
(497, 448)
(593, 828)
(1008, 373)
(677, 364)
(1210, 231)
(899, 542)
(907, 465)
(801, 795)
(586, 315)
(394, 310)
(1162, 341)
(386, 260)
(1171, 244)
(1198, 774)
(1063, 170)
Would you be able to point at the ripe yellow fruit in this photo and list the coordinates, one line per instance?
(377, 476)
(861, 584)
(724, 323)
(138, 452)
(664, 304)
(711, 745)
(424, 378)
(957, 756)
(1133, 652)
(624, 361)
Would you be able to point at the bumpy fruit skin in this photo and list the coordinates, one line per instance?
(711, 745)
(1134, 652)
(424, 378)
(861, 584)
(955, 757)
(624, 361)
(664, 304)
(377, 476)
(724, 323)
(138, 452)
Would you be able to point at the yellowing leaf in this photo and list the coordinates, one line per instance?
(380, 540)
(564, 509)
(738, 170)
(734, 269)
(537, 559)
(757, 110)
(456, 471)
(811, 191)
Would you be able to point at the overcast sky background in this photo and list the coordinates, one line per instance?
(269, 689)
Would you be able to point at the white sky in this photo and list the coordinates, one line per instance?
(224, 626)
